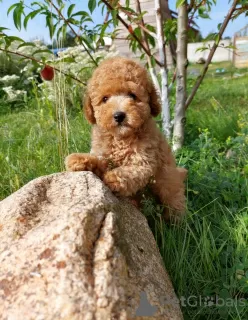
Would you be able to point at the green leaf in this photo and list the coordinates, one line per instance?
(85, 20)
(103, 29)
(139, 16)
(50, 25)
(70, 9)
(92, 5)
(42, 51)
(13, 38)
(17, 17)
(202, 49)
(73, 21)
(103, 10)
(35, 2)
(7, 43)
(67, 60)
(26, 44)
(12, 7)
(217, 39)
(153, 61)
(59, 2)
(87, 41)
(204, 15)
(98, 59)
(81, 13)
(61, 32)
(29, 16)
(219, 26)
(114, 16)
(179, 3)
(2, 29)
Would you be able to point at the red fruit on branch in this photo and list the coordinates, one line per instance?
(47, 73)
(130, 29)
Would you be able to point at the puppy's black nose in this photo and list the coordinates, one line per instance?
(119, 116)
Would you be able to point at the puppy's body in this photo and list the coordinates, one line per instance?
(128, 150)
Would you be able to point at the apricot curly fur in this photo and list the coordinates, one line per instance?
(130, 154)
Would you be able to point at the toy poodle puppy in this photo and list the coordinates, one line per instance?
(128, 150)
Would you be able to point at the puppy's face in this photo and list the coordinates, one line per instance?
(121, 108)
(120, 100)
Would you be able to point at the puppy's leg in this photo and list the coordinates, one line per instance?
(127, 180)
(169, 187)
(86, 162)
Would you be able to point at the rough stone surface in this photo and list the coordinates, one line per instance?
(70, 250)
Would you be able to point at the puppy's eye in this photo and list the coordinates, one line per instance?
(132, 95)
(105, 99)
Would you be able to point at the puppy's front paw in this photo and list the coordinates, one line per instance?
(112, 181)
(79, 162)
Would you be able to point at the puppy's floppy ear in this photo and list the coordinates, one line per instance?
(88, 109)
(154, 101)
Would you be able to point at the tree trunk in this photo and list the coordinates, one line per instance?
(179, 120)
(163, 72)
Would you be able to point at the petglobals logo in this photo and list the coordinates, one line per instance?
(211, 301)
(196, 301)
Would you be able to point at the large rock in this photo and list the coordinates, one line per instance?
(70, 250)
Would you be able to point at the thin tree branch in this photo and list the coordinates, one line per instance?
(191, 5)
(106, 18)
(195, 6)
(141, 25)
(243, 7)
(109, 6)
(149, 60)
(73, 31)
(239, 11)
(152, 34)
(41, 62)
(163, 71)
(211, 54)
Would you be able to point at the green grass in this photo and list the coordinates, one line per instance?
(31, 146)
(206, 256)
(217, 106)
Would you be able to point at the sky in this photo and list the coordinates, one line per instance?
(36, 28)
